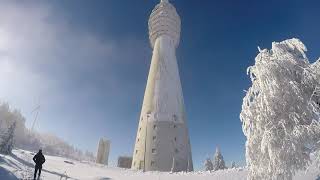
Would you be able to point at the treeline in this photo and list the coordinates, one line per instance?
(14, 134)
(217, 163)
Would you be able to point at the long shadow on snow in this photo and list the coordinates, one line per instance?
(9, 163)
(31, 165)
(7, 175)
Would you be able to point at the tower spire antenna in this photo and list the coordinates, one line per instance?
(165, 1)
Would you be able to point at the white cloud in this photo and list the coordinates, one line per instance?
(41, 55)
(70, 72)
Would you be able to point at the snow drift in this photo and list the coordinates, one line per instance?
(19, 166)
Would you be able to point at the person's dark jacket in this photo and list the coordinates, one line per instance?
(39, 159)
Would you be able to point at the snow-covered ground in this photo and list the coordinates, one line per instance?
(20, 166)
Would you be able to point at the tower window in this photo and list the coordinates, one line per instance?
(139, 129)
(138, 140)
(175, 126)
(175, 139)
(154, 138)
(136, 151)
(154, 127)
(154, 151)
(176, 150)
(148, 114)
(152, 163)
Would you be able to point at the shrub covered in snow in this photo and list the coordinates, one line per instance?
(280, 112)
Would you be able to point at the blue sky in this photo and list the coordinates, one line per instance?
(86, 63)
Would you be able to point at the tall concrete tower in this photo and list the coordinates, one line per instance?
(162, 142)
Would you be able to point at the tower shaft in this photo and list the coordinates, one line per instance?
(162, 142)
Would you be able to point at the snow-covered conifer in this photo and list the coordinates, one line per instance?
(280, 114)
(208, 164)
(218, 161)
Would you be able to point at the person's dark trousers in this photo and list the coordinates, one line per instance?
(35, 171)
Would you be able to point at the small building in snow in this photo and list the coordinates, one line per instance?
(124, 162)
(103, 151)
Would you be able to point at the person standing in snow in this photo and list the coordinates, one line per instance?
(39, 159)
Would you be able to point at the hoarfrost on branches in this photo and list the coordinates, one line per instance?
(280, 112)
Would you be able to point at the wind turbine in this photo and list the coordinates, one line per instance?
(37, 109)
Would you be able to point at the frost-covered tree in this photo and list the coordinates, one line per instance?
(7, 117)
(315, 67)
(7, 140)
(233, 164)
(208, 164)
(218, 162)
(280, 114)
